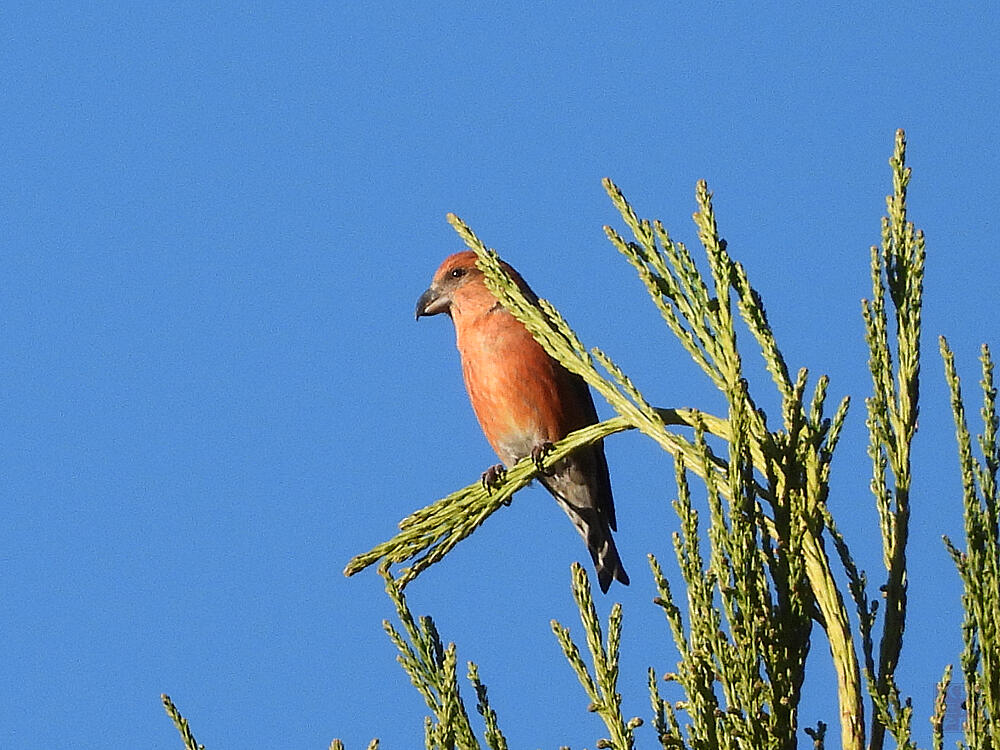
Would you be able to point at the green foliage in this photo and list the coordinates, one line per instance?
(892, 423)
(979, 565)
(602, 687)
(428, 534)
(940, 707)
(181, 723)
(751, 601)
(338, 745)
(751, 540)
(432, 668)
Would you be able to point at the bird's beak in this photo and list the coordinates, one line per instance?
(432, 302)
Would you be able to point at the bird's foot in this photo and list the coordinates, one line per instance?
(494, 476)
(538, 454)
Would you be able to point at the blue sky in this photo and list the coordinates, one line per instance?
(217, 219)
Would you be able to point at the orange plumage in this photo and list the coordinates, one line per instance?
(525, 400)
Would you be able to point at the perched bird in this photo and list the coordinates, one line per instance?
(525, 401)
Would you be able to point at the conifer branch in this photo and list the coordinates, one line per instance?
(428, 534)
(794, 464)
(601, 687)
(432, 668)
(897, 268)
(940, 709)
(979, 565)
(668, 731)
(495, 739)
(181, 723)
(338, 745)
(818, 735)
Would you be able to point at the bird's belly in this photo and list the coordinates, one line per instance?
(516, 400)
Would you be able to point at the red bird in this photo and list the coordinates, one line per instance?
(525, 401)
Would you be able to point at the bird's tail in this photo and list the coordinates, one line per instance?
(596, 531)
(594, 526)
(606, 560)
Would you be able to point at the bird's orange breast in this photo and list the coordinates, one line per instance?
(516, 389)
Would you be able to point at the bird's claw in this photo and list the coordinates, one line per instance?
(493, 476)
(538, 454)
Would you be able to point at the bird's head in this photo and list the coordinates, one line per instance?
(459, 289)
(457, 271)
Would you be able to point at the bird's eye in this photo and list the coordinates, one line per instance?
(457, 273)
